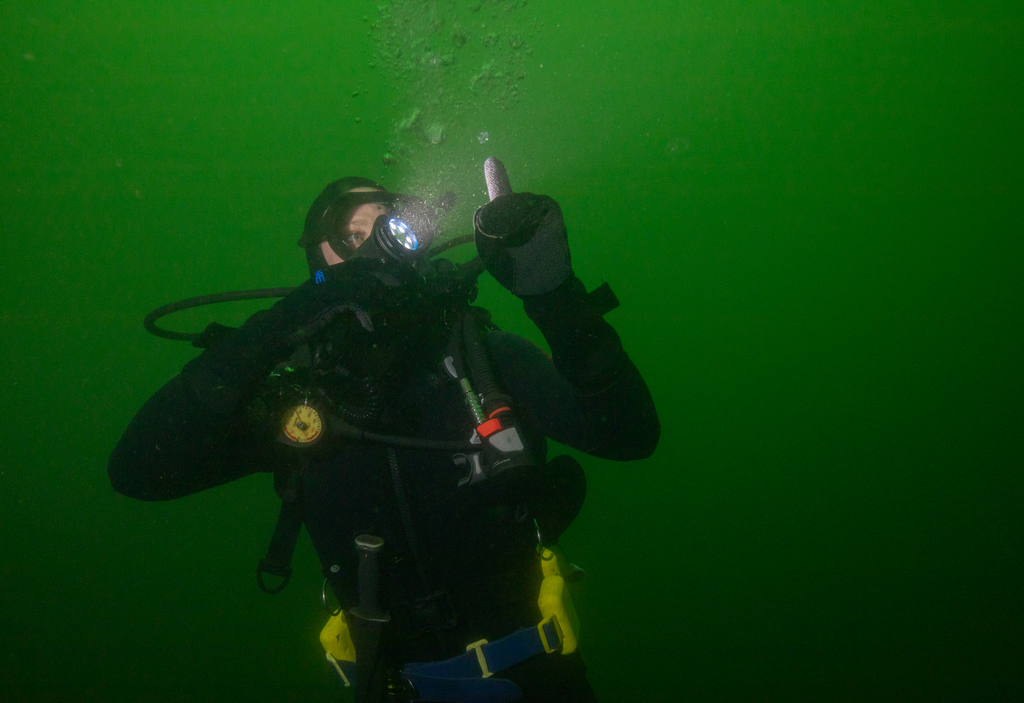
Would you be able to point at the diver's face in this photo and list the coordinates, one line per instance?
(356, 230)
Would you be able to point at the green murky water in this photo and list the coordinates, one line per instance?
(812, 213)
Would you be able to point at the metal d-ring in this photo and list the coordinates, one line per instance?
(540, 540)
(323, 597)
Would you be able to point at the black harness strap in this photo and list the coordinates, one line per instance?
(278, 561)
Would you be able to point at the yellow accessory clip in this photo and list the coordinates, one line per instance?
(337, 641)
(555, 602)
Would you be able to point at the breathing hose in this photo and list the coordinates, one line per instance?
(474, 267)
(150, 320)
(480, 366)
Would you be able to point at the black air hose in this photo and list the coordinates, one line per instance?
(480, 365)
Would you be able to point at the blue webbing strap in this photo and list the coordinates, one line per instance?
(465, 690)
(460, 679)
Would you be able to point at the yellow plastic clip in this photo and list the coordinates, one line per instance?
(544, 637)
(554, 599)
(337, 640)
(478, 646)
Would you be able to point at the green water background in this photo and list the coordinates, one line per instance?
(813, 216)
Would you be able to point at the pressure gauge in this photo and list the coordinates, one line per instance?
(302, 426)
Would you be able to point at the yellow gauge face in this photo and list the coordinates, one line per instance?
(302, 424)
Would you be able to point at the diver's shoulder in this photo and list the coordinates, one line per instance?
(517, 355)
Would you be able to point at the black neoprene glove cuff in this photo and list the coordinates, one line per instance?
(586, 350)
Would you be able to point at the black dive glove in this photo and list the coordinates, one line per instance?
(232, 368)
(521, 238)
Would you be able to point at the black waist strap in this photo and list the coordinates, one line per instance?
(278, 561)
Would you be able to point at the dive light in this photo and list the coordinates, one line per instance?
(401, 236)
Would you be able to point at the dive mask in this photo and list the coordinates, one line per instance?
(403, 233)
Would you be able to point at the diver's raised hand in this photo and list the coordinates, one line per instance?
(522, 240)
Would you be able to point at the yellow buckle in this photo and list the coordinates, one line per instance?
(478, 646)
(543, 636)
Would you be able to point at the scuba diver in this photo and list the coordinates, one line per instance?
(409, 435)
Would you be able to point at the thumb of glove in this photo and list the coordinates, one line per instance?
(522, 240)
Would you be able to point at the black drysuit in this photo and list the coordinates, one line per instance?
(477, 543)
